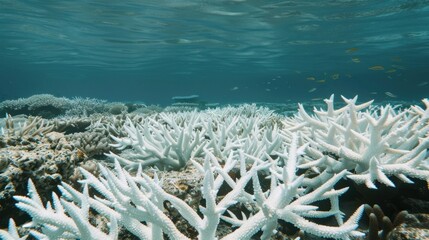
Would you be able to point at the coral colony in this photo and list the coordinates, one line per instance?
(258, 170)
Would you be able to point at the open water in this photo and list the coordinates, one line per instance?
(224, 51)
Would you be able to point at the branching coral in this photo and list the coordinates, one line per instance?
(164, 143)
(373, 145)
(235, 151)
(170, 140)
(136, 203)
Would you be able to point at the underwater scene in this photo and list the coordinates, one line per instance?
(228, 119)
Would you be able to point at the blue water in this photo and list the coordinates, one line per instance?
(224, 51)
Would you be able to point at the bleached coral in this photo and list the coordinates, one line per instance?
(164, 142)
(136, 203)
(26, 128)
(12, 232)
(49, 106)
(373, 145)
(170, 140)
(369, 145)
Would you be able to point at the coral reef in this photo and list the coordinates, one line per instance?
(380, 226)
(33, 151)
(136, 203)
(44, 105)
(49, 106)
(236, 172)
(414, 226)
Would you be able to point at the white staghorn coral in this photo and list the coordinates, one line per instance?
(11, 233)
(165, 143)
(369, 145)
(289, 201)
(373, 145)
(136, 203)
(170, 140)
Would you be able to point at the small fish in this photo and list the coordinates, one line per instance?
(391, 70)
(311, 78)
(376, 68)
(352, 50)
(321, 81)
(335, 76)
(312, 90)
(234, 88)
(356, 60)
(267, 90)
(422, 84)
(225, 13)
(316, 99)
(396, 59)
(373, 93)
(389, 94)
(398, 66)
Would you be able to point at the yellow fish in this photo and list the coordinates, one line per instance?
(376, 68)
(321, 81)
(335, 76)
(356, 60)
(311, 78)
(351, 50)
(391, 70)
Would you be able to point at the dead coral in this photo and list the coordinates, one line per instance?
(44, 105)
(94, 142)
(46, 159)
(23, 131)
